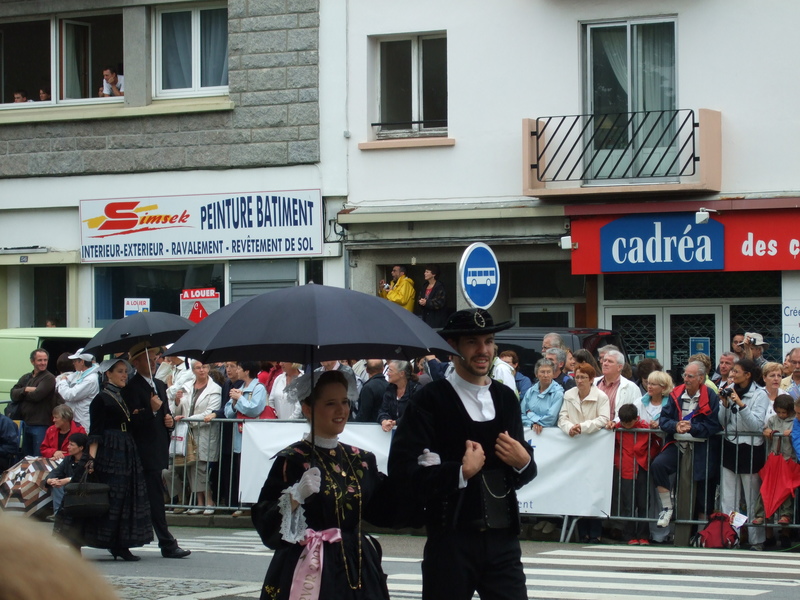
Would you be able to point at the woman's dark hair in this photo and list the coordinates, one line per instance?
(250, 367)
(583, 356)
(647, 366)
(63, 363)
(435, 270)
(749, 366)
(784, 402)
(79, 439)
(586, 369)
(325, 378)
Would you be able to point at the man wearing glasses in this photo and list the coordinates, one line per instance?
(791, 384)
(691, 412)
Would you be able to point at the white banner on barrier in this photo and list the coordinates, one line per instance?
(261, 440)
(575, 474)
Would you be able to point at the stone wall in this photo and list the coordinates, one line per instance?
(273, 83)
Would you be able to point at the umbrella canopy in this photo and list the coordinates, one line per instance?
(310, 323)
(22, 485)
(779, 478)
(159, 328)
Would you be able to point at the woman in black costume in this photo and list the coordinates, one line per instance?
(317, 510)
(116, 463)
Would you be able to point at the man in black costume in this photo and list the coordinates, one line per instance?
(460, 447)
(151, 423)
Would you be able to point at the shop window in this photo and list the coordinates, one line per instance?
(162, 284)
(191, 56)
(676, 286)
(413, 86)
(84, 46)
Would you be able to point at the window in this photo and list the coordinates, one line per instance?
(191, 55)
(84, 46)
(631, 89)
(413, 86)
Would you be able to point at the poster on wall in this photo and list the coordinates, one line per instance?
(136, 305)
(237, 225)
(197, 304)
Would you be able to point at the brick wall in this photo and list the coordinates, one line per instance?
(273, 82)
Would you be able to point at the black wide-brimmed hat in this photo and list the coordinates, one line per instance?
(472, 321)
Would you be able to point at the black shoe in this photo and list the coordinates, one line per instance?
(125, 555)
(176, 552)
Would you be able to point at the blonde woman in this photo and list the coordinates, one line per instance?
(659, 386)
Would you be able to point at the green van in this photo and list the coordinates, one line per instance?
(16, 346)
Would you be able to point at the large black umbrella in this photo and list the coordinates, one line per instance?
(309, 323)
(158, 328)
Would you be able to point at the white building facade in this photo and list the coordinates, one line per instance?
(610, 122)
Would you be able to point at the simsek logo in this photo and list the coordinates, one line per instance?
(120, 218)
(661, 243)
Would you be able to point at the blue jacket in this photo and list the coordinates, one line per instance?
(542, 408)
(523, 383)
(9, 436)
(796, 437)
(705, 424)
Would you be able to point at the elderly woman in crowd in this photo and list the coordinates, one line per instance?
(402, 385)
(542, 403)
(743, 413)
(772, 375)
(585, 410)
(57, 435)
(196, 403)
(659, 387)
(285, 404)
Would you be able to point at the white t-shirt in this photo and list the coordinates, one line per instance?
(120, 85)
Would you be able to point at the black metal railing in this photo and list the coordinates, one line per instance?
(621, 146)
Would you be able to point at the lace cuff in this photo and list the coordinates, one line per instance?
(293, 522)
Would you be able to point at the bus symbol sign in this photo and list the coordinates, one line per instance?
(479, 276)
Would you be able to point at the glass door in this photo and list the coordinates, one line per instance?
(666, 333)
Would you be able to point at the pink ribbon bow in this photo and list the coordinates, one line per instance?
(308, 571)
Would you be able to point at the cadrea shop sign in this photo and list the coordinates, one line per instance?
(202, 227)
(745, 240)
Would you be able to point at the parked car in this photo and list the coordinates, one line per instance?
(16, 346)
(527, 342)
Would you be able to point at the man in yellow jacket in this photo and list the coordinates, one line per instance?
(401, 290)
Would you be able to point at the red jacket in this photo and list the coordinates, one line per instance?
(635, 450)
(50, 444)
(267, 378)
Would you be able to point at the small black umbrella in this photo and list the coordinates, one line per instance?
(310, 323)
(158, 328)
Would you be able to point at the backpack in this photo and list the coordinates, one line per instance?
(718, 533)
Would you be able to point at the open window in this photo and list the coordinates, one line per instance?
(84, 46)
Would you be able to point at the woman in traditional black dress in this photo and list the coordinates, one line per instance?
(316, 511)
(116, 463)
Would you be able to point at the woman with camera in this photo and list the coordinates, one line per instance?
(744, 408)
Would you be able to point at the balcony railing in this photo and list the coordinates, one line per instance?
(622, 152)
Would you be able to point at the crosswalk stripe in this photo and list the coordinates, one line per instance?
(673, 566)
(698, 579)
(735, 555)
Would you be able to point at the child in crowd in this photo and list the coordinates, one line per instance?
(632, 455)
(782, 423)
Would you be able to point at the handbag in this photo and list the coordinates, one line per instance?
(14, 411)
(85, 499)
(178, 439)
(190, 455)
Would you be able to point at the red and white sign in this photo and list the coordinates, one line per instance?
(754, 240)
(197, 304)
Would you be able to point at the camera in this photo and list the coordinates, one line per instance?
(725, 392)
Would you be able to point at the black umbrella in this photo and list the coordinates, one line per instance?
(309, 323)
(158, 328)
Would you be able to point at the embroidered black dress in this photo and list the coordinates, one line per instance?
(349, 492)
(117, 464)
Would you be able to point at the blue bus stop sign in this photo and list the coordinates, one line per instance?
(479, 274)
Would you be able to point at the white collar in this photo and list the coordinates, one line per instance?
(322, 442)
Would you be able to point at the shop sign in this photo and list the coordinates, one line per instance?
(197, 304)
(202, 227)
(661, 243)
(136, 305)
